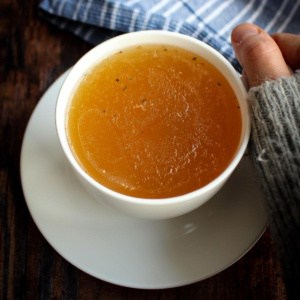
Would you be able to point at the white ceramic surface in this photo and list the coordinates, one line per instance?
(147, 208)
(128, 251)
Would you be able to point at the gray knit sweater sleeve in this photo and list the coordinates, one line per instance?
(275, 149)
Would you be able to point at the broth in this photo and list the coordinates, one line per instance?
(154, 121)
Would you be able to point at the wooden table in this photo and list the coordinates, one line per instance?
(33, 54)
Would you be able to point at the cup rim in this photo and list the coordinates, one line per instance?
(92, 57)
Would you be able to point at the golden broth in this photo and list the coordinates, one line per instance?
(154, 121)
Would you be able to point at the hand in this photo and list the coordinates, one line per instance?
(264, 57)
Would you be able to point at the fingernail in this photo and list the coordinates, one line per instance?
(242, 32)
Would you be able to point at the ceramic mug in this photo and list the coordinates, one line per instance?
(151, 208)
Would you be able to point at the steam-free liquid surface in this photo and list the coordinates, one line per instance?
(154, 122)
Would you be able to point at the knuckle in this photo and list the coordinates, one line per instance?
(261, 49)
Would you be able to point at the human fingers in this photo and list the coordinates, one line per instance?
(289, 45)
(258, 53)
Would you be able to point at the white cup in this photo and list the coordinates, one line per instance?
(150, 208)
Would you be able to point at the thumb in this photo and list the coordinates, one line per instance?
(258, 53)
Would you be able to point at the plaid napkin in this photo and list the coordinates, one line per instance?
(208, 20)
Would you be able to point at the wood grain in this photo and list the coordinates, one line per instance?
(33, 54)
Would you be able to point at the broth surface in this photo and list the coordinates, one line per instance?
(153, 122)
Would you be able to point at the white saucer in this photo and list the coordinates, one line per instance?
(124, 250)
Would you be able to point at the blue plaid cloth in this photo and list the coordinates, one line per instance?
(208, 20)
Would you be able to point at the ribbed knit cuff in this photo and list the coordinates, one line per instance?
(275, 149)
